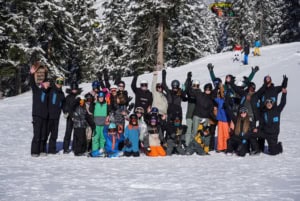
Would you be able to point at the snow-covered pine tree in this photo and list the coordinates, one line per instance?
(242, 27)
(114, 56)
(192, 34)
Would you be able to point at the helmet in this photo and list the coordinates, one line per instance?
(154, 110)
(143, 82)
(175, 84)
(89, 97)
(153, 120)
(208, 86)
(95, 84)
(252, 85)
(139, 110)
(217, 81)
(133, 119)
(121, 83)
(113, 87)
(243, 109)
(196, 82)
(112, 126)
(101, 94)
(74, 86)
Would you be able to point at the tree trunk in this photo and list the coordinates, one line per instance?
(160, 46)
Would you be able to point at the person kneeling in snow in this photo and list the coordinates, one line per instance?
(132, 132)
(112, 140)
(152, 141)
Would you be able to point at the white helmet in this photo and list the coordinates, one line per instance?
(196, 82)
(113, 87)
(143, 82)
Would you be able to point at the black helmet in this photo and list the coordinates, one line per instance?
(74, 86)
(89, 97)
(133, 119)
(175, 84)
(153, 120)
(252, 85)
(217, 81)
(208, 86)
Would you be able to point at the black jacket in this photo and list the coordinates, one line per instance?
(39, 99)
(204, 105)
(56, 101)
(270, 92)
(143, 98)
(270, 119)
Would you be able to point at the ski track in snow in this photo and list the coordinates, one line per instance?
(215, 177)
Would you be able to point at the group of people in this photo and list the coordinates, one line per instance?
(105, 124)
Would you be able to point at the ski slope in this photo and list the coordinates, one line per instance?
(214, 177)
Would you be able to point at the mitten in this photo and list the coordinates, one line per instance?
(210, 67)
(164, 74)
(189, 75)
(284, 82)
(255, 69)
(131, 106)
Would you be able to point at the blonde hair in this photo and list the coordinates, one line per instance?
(246, 125)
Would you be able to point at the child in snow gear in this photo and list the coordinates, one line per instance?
(131, 135)
(153, 139)
(257, 45)
(39, 111)
(72, 92)
(174, 134)
(200, 142)
(100, 111)
(55, 105)
(81, 120)
(112, 139)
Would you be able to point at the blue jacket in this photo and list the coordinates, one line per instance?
(221, 115)
(132, 133)
(257, 43)
(112, 141)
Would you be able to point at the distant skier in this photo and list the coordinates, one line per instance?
(257, 45)
(246, 52)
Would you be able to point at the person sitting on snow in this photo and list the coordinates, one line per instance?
(113, 137)
(131, 142)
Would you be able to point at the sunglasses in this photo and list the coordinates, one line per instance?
(111, 130)
(121, 86)
(144, 85)
(113, 90)
(269, 101)
(196, 85)
(159, 87)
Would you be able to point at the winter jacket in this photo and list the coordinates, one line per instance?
(70, 103)
(204, 105)
(132, 134)
(270, 119)
(246, 49)
(268, 92)
(257, 43)
(221, 114)
(159, 98)
(100, 112)
(112, 141)
(143, 98)
(154, 136)
(56, 102)
(81, 118)
(39, 99)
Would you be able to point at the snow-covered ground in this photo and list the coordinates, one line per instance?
(214, 177)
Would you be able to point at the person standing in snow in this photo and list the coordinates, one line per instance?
(56, 103)
(257, 45)
(143, 96)
(246, 52)
(159, 98)
(72, 92)
(39, 110)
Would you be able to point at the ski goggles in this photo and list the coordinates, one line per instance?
(111, 130)
(269, 101)
(59, 82)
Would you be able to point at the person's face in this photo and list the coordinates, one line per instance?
(269, 104)
(121, 87)
(144, 86)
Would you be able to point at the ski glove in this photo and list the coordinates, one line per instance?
(164, 74)
(284, 82)
(210, 67)
(189, 75)
(255, 69)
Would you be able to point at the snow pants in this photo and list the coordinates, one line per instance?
(39, 135)
(98, 140)
(274, 147)
(245, 59)
(68, 134)
(156, 151)
(256, 51)
(52, 133)
(235, 144)
(79, 141)
(188, 135)
(172, 147)
(223, 135)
